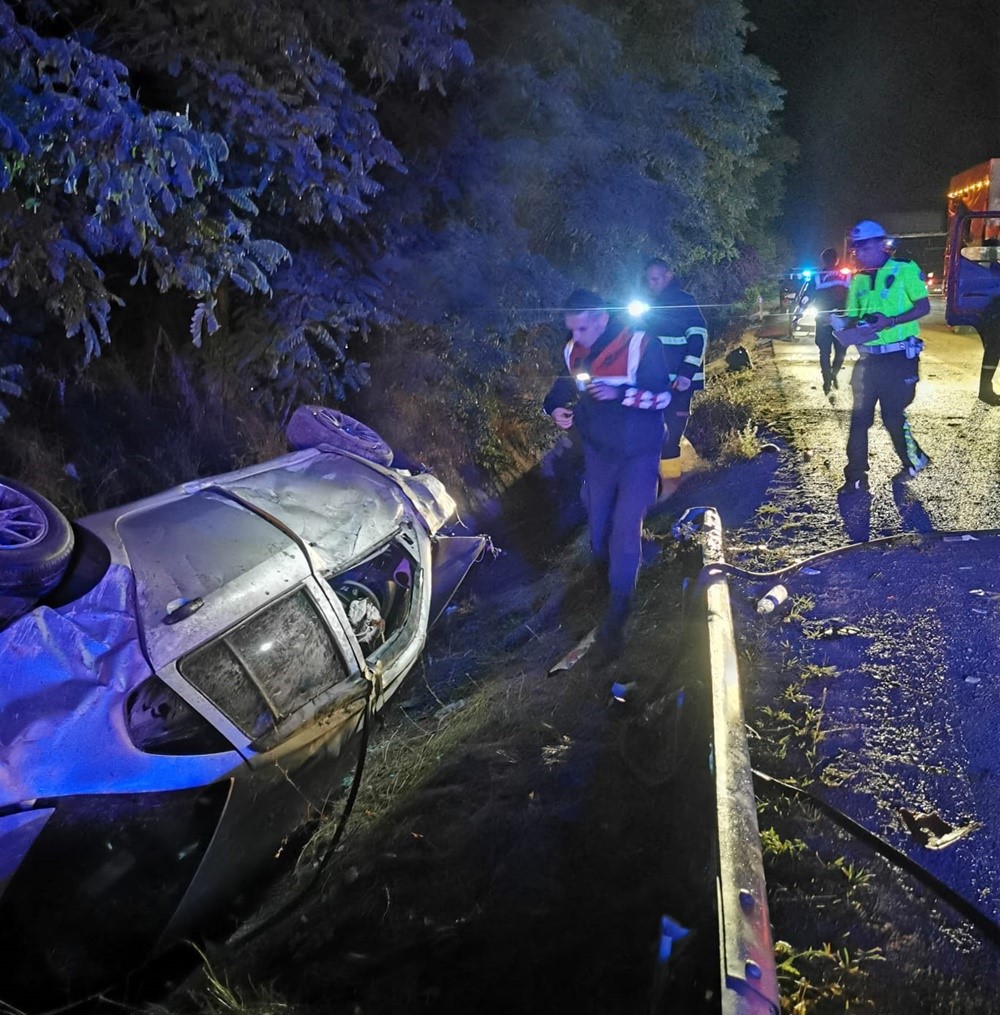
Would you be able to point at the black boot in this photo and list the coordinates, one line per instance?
(611, 633)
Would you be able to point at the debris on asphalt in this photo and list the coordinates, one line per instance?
(828, 629)
(772, 600)
(932, 831)
(621, 690)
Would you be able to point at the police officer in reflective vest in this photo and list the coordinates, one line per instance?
(885, 300)
(826, 292)
(674, 318)
(613, 394)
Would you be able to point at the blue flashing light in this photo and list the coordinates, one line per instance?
(807, 274)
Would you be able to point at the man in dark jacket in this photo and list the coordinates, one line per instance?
(825, 293)
(674, 318)
(614, 393)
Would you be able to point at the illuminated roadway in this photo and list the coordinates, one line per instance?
(961, 488)
(918, 716)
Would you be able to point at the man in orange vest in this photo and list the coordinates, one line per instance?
(613, 394)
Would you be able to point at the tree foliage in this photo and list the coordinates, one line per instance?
(310, 173)
(600, 134)
(231, 159)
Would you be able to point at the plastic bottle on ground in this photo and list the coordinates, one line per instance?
(774, 598)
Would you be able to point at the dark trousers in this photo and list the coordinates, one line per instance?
(989, 332)
(619, 492)
(676, 416)
(831, 355)
(889, 381)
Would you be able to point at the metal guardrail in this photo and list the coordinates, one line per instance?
(748, 975)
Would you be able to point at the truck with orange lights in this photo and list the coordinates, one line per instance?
(972, 256)
(972, 263)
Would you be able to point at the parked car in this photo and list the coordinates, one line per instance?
(180, 697)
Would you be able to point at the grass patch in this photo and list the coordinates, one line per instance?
(724, 417)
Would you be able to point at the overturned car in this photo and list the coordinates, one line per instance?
(180, 698)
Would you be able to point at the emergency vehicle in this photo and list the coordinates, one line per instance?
(972, 256)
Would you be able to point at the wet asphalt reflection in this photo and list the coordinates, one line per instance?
(912, 715)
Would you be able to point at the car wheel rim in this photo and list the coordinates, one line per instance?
(22, 522)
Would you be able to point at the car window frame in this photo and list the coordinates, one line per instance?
(393, 647)
(352, 688)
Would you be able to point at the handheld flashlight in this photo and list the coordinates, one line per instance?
(582, 380)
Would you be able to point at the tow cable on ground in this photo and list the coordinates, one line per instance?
(685, 527)
(885, 849)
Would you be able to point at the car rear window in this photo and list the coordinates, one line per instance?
(268, 667)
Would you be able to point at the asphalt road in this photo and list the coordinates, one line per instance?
(961, 488)
(913, 709)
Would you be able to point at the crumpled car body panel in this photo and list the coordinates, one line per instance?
(228, 551)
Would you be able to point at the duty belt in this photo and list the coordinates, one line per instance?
(911, 346)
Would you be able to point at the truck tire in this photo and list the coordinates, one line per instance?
(315, 425)
(35, 541)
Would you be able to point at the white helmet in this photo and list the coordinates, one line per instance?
(868, 230)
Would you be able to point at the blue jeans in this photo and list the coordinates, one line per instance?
(619, 492)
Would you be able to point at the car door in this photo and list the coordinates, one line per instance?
(286, 686)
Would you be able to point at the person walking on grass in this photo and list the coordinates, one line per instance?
(613, 393)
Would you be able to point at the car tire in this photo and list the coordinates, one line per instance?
(314, 425)
(35, 541)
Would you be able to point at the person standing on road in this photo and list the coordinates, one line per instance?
(825, 293)
(614, 394)
(675, 319)
(885, 299)
(989, 321)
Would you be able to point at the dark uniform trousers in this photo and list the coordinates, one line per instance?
(831, 355)
(889, 381)
(619, 492)
(676, 417)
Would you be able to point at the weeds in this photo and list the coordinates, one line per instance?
(857, 876)
(774, 845)
(218, 997)
(723, 417)
(811, 976)
(801, 605)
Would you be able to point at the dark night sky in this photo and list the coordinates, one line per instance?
(887, 100)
